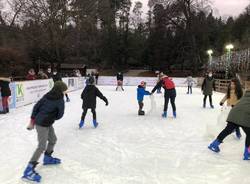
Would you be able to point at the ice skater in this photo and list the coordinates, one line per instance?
(207, 87)
(232, 97)
(190, 81)
(5, 93)
(170, 94)
(119, 78)
(48, 109)
(239, 116)
(88, 96)
(141, 92)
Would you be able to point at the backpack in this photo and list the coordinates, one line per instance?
(168, 83)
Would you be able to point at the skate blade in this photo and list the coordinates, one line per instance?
(26, 180)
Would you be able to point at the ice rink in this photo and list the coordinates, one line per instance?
(126, 148)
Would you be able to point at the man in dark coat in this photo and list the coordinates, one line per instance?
(48, 109)
(207, 87)
(88, 96)
(5, 93)
(238, 116)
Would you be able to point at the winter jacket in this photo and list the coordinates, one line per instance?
(240, 113)
(48, 109)
(4, 87)
(119, 77)
(169, 90)
(190, 81)
(141, 92)
(233, 100)
(31, 77)
(208, 85)
(89, 95)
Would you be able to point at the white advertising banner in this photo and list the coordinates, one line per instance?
(134, 81)
(31, 91)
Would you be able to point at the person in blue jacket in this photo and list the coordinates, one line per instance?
(48, 109)
(141, 92)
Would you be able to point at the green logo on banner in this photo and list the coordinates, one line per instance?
(20, 91)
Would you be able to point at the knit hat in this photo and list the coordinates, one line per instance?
(60, 86)
(143, 83)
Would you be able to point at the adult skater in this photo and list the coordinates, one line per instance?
(170, 93)
(5, 93)
(232, 97)
(119, 78)
(238, 116)
(190, 81)
(207, 87)
(159, 75)
(88, 96)
(141, 92)
(48, 109)
(57, 77)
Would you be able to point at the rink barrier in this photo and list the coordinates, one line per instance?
(27, 92)
(135, 81)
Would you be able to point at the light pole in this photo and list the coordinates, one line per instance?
(229, 47)
(210, 52)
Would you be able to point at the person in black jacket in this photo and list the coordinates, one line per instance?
(5, 93)
(58, 77)
(48, 109)
(88, 96)
(119, 78)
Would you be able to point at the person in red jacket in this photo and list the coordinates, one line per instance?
(31, 75)
(170, 93)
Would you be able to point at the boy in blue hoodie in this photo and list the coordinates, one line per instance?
(140, 96)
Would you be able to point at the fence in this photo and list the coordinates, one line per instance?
(221, 85)
(27, 92)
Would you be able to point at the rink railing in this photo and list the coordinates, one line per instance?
(135, 81)
(27, 92)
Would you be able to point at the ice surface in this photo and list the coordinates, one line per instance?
(125, 148)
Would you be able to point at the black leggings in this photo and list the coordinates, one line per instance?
(85, 112)
(210, 99)
(230, 128)
(189, 89)
(172, 101)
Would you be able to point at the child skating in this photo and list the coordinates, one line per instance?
(88, 96)
(141, 92)
(190, 82)
(45, 112)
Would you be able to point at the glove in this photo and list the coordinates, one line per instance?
(221, 104)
